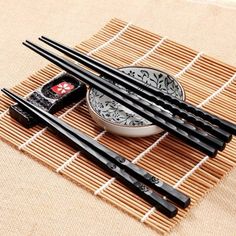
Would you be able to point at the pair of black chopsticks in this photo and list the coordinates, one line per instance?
(112, 162)
(198, 128)
(178, 107)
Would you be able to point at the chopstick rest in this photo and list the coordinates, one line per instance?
(60, 91)
(67, 133)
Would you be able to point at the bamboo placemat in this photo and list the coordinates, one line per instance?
(208, 83)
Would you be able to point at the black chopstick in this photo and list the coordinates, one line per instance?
(161, 187)
(131, 102)
(68, 134)
(139, 87)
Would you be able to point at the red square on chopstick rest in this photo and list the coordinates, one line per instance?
(62, 88)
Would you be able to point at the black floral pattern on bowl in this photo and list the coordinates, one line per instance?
(116, 113)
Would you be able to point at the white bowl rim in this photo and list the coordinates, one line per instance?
(131, 126)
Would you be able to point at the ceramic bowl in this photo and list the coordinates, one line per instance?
(116, 118)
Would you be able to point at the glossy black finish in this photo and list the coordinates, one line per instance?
(73, 136)
(150, 112)
(171, 193)
(199, 133)
(187, 111)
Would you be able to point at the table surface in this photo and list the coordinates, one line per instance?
(36, 201)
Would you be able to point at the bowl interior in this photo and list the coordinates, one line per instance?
(115, 113)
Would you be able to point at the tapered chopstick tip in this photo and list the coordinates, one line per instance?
(3, 90)
(42, 37)
(24, 43)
